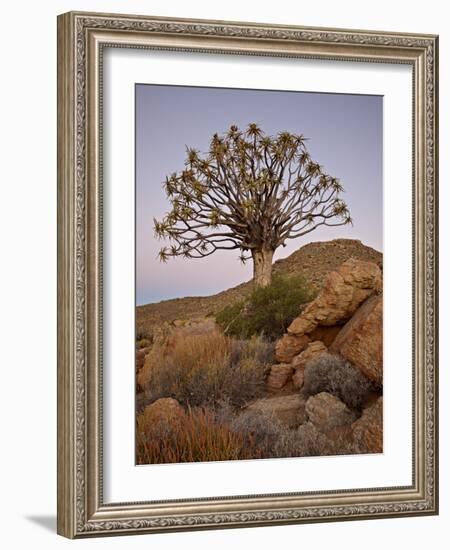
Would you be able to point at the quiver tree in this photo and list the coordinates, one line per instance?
(250, 192)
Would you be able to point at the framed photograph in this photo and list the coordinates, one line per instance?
(247, 288)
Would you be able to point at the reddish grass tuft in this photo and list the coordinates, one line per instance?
(195, 437)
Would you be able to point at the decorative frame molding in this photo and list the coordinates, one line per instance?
(81, 37)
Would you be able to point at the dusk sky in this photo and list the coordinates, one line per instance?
(345, 137)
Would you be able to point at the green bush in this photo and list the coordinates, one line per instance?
(268, 311)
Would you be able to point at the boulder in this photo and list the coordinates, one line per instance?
(164, 410)
(298, 378)
(279, 376)
(327, 412)
(368, 430)
(343, 292)
(288, 409)
(313, 351)
(288, 346)
(361, 340)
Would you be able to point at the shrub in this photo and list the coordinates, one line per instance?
(201, 370)
(268, 311)
(315, 443)
(143, 343)
(143, 339)
(196, 437)
(204, 434)
(332, 374)
(275, 440)
(256, 348)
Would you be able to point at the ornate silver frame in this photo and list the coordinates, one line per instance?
(81, 38)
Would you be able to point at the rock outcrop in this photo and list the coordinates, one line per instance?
(345, 319)
(343, 292)
(279, 376)
(326, 335)
(313, 351)
(288, 346)
(361, 339)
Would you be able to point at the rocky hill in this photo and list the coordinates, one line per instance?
(314, 261)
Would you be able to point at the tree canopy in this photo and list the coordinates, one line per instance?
(250, 192)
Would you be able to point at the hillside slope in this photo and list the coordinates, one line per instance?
(313, 261)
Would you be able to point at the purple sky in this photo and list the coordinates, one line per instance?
(345, 137)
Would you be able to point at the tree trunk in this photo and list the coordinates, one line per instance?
(262, 267)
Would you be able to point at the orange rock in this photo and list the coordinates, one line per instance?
(288, 346)
(361, 340)
(325, 334)
(313, 351)
(327, 412)
(288, 409)
(162, 410)
(343, 292)
(368, 430)
(279, 376)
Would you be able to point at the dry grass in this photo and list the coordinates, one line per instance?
(195, 437)
(275, 440)
(203, 435)
(202, 370)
